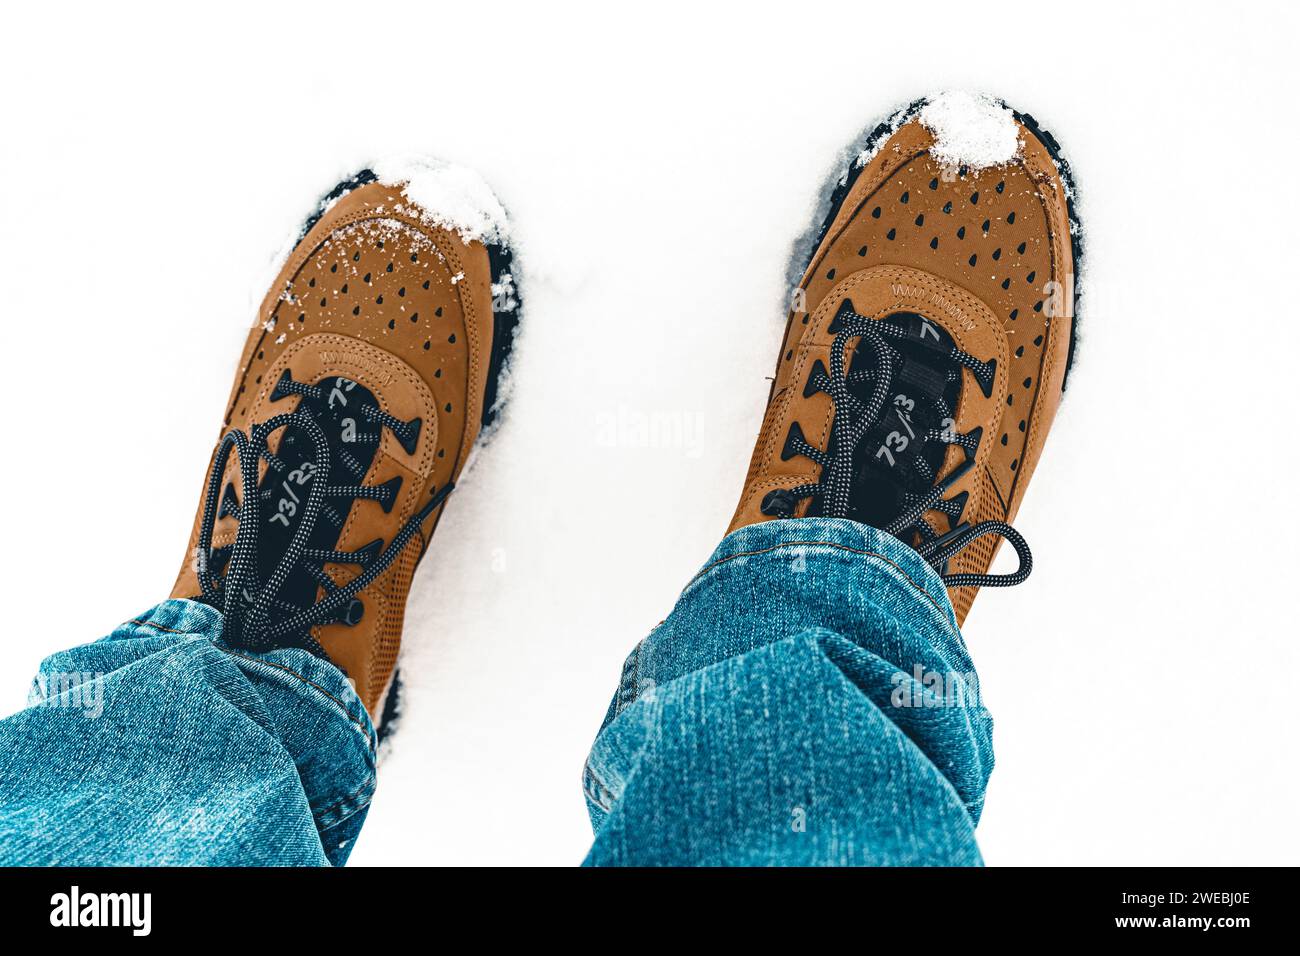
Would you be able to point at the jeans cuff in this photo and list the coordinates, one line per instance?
(178, 616)
(771, 580)
(303, 700)
(794, 537)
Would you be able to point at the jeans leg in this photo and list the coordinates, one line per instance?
(809, 701)
(156, 745)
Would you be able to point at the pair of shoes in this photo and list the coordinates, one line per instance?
(924, 358)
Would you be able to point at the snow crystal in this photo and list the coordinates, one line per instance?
(448, 196)
(971, 129)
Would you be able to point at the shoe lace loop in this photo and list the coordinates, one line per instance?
(861, 396)
(254, 615)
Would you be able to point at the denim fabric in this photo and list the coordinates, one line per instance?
(156, 745)
(808, 701)
(786, 712)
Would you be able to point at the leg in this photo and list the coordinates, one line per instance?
(232, 735)
(810, 699)
(156, 745)
(788, 712)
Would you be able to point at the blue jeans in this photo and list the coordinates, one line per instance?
(808, 701)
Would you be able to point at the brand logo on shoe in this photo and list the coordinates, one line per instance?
(945, 305)
(340, 359)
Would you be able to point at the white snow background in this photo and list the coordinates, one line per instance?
(658, 162)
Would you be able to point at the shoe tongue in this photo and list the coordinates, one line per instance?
(352, 447)
(918, 381)
(885, 462)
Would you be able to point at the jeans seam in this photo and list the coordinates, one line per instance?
(605, 799)
(630, 679)
(342, 706)
(324, 815)
(826, 544)
(169, 630)
(344, 818)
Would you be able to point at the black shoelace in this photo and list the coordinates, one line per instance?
(276, 566)
(914, 362)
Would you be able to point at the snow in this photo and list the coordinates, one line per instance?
(447, 195)
(1139, 681)
(970, 129)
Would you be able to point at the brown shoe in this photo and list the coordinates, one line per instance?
(929, 340)
(371, 369)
